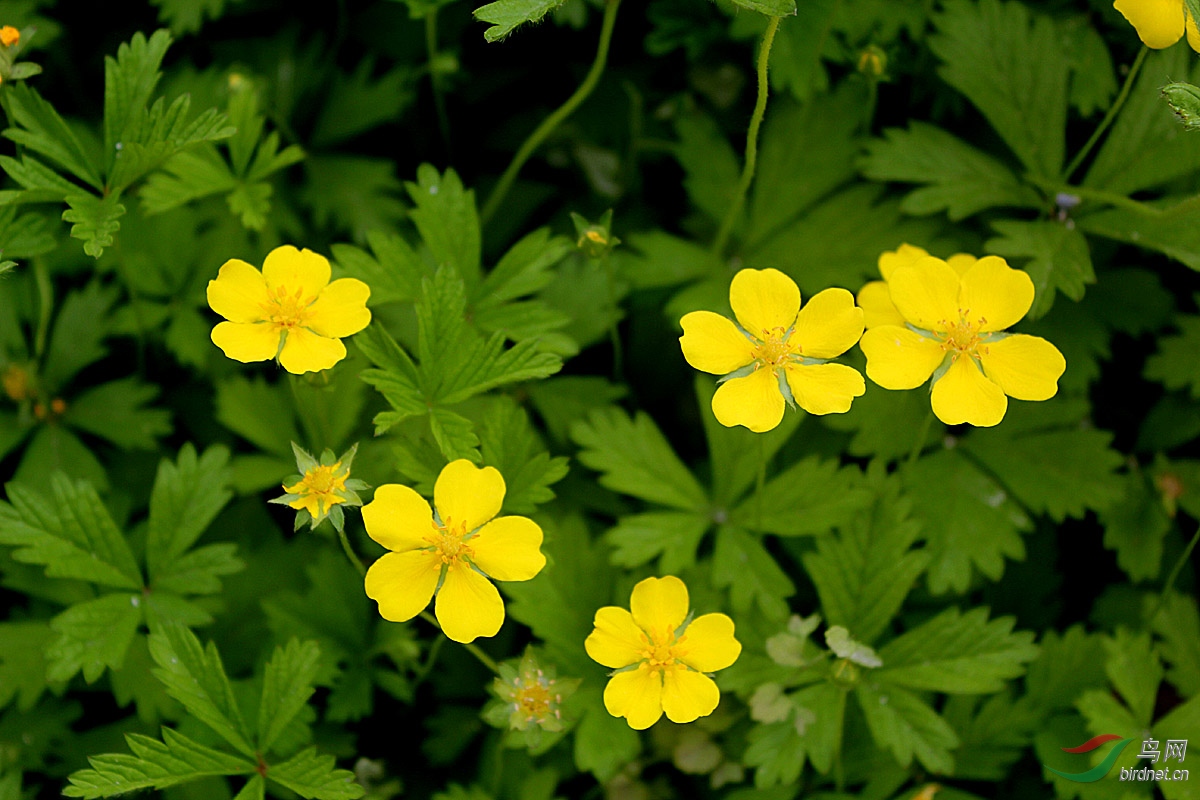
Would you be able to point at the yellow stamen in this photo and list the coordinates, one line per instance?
(962, 335)
(287, 310)
(448, 540)
(774, 349)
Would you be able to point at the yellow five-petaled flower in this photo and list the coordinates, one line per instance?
(1160, 23)
(659, 656)
(451, 553)
(945, 320)
(289, 311)
(778, 355)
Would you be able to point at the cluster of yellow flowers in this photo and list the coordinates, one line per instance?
(927, 318)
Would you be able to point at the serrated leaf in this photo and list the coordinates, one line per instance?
(186, 16)
(657, 259)
(864, 571)
(199, 571)
(1009, 63)
(153, 765)
(603, 743)
(1058, 253)
(635, 458)
(809, 498)
(184, 177)
(1134, 669)
(287, 686)
(1175, 365)
(195, 676)
(752, 575)
(1170, 227)
(259, 412)
(670, 536)
(129, 81)
(96, 220)
(73, 535)
(22, 662)
(901, 722)
(961, 180)
(1178, 625)
(711, 168)
(55, 449)
(116, 412)
(393, 270)
(507, 441)
(43, 131)
(75, 340)
(958, 653)
(187, 495)
(93, 636)
(506, 15)
(1066, 666)
(994, 733)
(969, 522)
(446, 217)
(772, 8)
(526, 268)
(312, 775)
(356, 193)
(358, 102)
(1093, 83)
(1135, 526)
(24, 235)
(799, 48)
(454, 434)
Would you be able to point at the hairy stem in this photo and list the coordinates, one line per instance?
(1108, 117)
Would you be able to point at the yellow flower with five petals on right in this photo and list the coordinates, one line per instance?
(1160, 23)
(289, 311)
(954, 333)
(874, 298)
(661, 655)
(778, 354)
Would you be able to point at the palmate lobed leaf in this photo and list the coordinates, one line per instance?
(507, 15)
(287, 686)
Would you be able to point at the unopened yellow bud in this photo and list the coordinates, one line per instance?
(9, 36)
(16, 383)
(872, 62)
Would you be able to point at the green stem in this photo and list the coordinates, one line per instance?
(1175, 570)
(350, 554)
(430, 660)
(919, 444)
(472, 648)
(45, 290)
(760, 109)
(1108, 117)
(530, 145)
(435, 77)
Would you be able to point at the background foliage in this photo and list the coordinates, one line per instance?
(950, 607)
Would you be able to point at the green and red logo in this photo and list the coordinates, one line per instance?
(1100, 770)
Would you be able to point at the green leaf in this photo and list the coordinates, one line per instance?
(129, 82)
(508, 442)
(115, 411)
(670, 536)
(454, 434)
(958, 653)
(187, 176)
(1010, 64)
(287, 686)
(41, 182)
(1135, 526)
(1182, 719)
(901, 722)
(358, 102)
(311, 775)
(79, 328)
(198, 571)
(93, 636)
(526, 268)
(813, 731)
(809, 498)
(22, 662)
(506, 15)
(55, 449)
(1170, 226)
(446, 218)
(711, 168)
(393, 271)
(1135, 671)
(603, 743)
(259, 412)
(195, 676)
(657, 259)
(994, 733)
(1058, 253)
(39, 127)
(355, 193)
(968, 521)
(1178, 625)
(863, 572)
(800, 46)
(752, 575)
(73, 534)
(1067, 665)
(635, 458)
(153, 765)
(1093, 83)
(772, 8)
(562, 400)
(1175, 365)
(187, 495)
(24, 235)
(186, 16)
(961, 180)
(95, 220)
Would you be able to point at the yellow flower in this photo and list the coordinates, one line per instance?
(661, 655)
(778, 354)
(953, 332)
(451, 553)
(876, 301)
(321, 487)
(289, 311)
(1160, 23)
(9, 36)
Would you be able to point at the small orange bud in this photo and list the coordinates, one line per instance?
(58, 405)
(9, 36)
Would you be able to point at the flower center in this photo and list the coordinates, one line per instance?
(963, 335)
(448, 540)
(322, 483)
(287, 310)
(533, 699)
(774, 349)
(662, 650)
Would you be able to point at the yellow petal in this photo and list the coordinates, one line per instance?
(467, 494)
(961, 262)
(238, 293)
(403, 583)
(1025, 367)
(828, 325)
(247, 341)
(1193, 33)
(875, 299)
(711, 343)
(898, 358)
(964, 394)
(904, 256)
(296, 270)
(507, 549)
(753, 401)
(824, 388)
(708, 643)
(398, 518)
(635, 695)
(763, 300)
(617, 641)
(926, 293)
(996, 293)
(1159, 23)
(468, 605)
(659, 605)
(341, 308)
(688, 695)
(304, 351)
